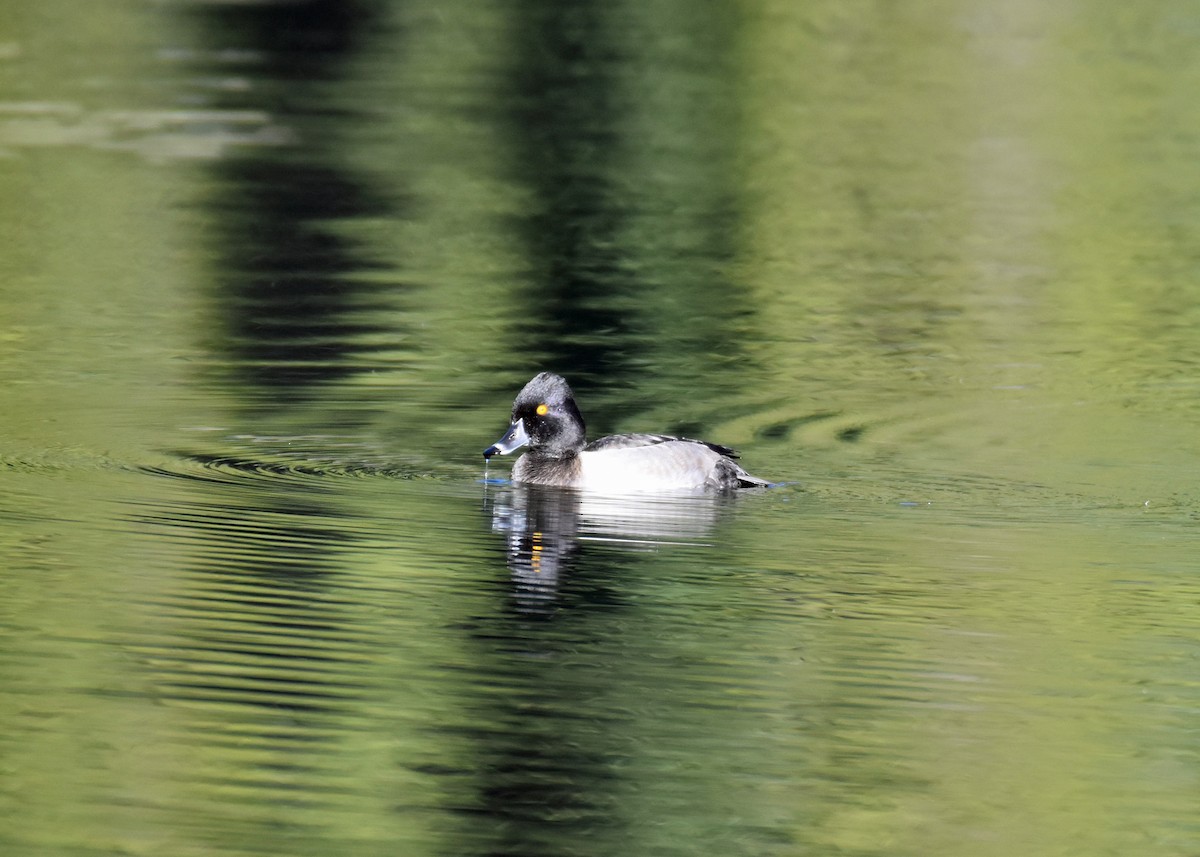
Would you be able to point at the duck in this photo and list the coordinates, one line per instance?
(546, 418)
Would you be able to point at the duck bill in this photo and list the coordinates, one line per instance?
(515, 438)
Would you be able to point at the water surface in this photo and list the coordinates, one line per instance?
(274, 272)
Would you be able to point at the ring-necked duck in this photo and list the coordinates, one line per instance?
(546, 417)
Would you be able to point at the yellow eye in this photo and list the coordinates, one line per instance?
(543, 409)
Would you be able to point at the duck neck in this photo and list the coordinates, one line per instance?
(554, 453)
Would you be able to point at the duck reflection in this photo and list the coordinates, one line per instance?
(545, 528)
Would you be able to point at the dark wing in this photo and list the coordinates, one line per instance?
(628, 441)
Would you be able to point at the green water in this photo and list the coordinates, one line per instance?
(272, 274)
